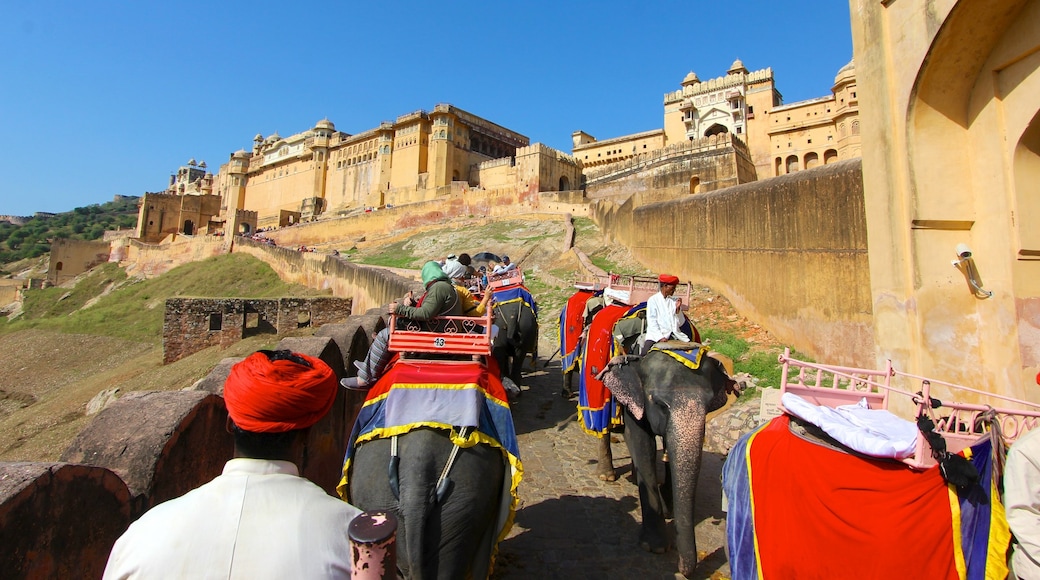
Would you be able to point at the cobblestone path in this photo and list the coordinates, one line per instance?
(570, 525)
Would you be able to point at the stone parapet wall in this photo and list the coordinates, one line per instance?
(60, 520)
(367, 287)
(150, 260)
(192, 324)
(789, 253)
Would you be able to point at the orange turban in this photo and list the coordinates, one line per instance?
(269, 392)
(668, 279)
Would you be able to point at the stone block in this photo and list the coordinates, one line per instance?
(59, 520)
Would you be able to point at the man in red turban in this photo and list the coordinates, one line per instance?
(663, 314)
(259, 518)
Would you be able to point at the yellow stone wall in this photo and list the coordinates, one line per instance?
(789, 253)
(597, 153)
(950, 109)
(800, 135)
(419, 156)
(70, 258)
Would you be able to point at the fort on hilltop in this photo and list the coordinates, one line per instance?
(424, 155)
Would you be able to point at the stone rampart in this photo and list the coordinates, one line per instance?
(790, 253)
(192, 324)
(60, 520)
(151, 260)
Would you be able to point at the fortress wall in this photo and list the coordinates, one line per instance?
(192, 324)
(70, 258)
(60, 520)
(151, 260)
(367, 287)
(669, 176)
(806, 230)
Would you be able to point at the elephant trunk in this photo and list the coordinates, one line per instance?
(685, 442)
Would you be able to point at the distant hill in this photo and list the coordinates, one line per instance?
(31, 237)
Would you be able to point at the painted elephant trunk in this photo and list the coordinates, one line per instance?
(685, 441)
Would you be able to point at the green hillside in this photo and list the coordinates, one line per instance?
(105, 302)
(18, 242)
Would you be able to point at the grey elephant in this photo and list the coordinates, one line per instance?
(453, 489)
(665, 397)
(516, 316)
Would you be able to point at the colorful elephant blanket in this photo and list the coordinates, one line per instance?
(443, 395)
(572, 325)
(509, 294)
(597, 409)
(798, 509)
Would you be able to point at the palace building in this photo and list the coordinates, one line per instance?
(780, 138)
(325, 172)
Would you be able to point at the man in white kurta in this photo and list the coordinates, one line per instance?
(663, 314)
(1022, 504)
(259, 518)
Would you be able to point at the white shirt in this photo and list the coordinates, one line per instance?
(502, 268)
(663, 319)
(1022, 504)
(258, 519)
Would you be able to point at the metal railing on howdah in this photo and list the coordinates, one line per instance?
(960, 424)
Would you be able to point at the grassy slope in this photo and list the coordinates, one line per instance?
(70, 344)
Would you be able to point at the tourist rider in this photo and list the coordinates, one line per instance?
(664, 314)
(259, 518)
(440, 299)
(504, 267)
(457, 271)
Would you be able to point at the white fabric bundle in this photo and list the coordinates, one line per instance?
(874, 432)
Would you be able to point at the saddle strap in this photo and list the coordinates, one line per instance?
(443, 481)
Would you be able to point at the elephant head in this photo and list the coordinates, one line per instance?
(664, 397)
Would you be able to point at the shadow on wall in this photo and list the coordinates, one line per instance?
(60, 520)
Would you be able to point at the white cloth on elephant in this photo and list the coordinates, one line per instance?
(258, 519)
(663, 319)
(874, 432)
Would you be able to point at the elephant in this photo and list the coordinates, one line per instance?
(662, 396)
(441, 454)
(447, 539)
(516, 315)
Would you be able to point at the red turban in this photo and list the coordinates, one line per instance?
(668, 279)
(274, 396)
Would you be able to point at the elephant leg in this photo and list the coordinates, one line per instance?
(685, 443)
(642, 446)
(568, 390)
(605, 459)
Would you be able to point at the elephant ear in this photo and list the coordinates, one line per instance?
(623, 382)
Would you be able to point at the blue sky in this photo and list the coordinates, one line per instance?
(103, 98)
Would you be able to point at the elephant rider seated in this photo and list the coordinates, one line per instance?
(504, 267)
(663, 314)
(457, 272)
(440, 299)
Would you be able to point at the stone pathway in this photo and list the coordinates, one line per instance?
(570, 525)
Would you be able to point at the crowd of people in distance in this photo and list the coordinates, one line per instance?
(259, 237)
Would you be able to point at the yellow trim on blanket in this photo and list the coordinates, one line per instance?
(693, 364)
